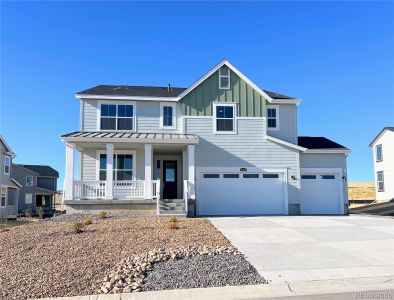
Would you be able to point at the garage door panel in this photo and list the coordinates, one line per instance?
(320, 194)
(240, 196)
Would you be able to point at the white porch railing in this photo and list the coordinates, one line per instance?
(122, 189)
(89, 189)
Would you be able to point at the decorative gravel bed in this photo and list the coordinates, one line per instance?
(47, 259)
(202, 271)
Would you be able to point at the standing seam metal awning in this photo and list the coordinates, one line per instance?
(130, 137)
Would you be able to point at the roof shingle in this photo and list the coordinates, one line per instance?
(318, 142)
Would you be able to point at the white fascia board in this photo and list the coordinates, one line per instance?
(235, 70)
(286, 101)
(130, 140)
(328, 151)
(279, 141)
(117, 97)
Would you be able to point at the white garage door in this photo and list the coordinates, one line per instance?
(321, 194)
(220, 193)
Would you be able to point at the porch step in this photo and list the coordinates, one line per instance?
(170, 207)
(172, 201)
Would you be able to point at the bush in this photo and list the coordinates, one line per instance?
(102, 214)
(40, 212)
(78, 227)
(173, 219)
(88, 221)
(173, 225)
(28, 212)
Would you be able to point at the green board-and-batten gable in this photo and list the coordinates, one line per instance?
(198, 102)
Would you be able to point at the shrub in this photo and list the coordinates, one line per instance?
(102, 214)
(173, 225)
(40, 212)
(28, 212)
(173, 219)
(88, 221)
(78, 227)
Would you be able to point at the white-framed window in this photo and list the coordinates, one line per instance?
(379, 153)
(224, 78)
(7, 164)
(273, 117)
(224, 118)
(167, 115)
(28, 198)
(3, 196)
(117, 116)
(380, 179)
(123, 165)
(29, 180)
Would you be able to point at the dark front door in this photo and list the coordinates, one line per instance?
(169, 179)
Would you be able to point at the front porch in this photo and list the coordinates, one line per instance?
(129, 173)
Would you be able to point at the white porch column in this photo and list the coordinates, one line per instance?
(190, 154)
(109, 184)
(148, 171)
(69, 174)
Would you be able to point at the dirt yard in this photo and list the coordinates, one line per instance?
(47, 259)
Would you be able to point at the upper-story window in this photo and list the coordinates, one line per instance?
(168, 115)
(273, 117)
(224, 78)
(224, 117)
(380, 179)
(117, 117)
(29, 180)
(379, 153)
(7, 164)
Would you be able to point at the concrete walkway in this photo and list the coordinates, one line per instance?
(305, 248)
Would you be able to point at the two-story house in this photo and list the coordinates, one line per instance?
(39, 185)
(383, 161)
(222, 146)
(9, 188)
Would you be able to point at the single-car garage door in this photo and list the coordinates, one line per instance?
(233, 193)
(321, 193)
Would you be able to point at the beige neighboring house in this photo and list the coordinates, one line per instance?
(383, 159)
(9, 188)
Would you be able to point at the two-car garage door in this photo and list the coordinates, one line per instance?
(241, 193)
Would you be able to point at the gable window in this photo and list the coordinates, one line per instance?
(7, 164)
(29, 180)
(224, 78)
(379, 153)
(380, 179)
(273, 117)
(167, 115)
(116, 117)
(224, 117)
(122, 168)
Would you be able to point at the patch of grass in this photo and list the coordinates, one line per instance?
(103, 214)
(173, 219)
(78, 227)
(88, 222)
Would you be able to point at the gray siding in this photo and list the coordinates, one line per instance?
(48, 183)
(19, 174)
(89, 113)
(4, 178)
(287, 124)
(248, 148)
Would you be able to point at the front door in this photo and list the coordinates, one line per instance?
(169, 179)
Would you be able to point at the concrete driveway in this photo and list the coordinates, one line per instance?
(304, 248)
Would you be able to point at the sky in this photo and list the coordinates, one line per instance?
(338, 57)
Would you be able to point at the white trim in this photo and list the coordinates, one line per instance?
(324, 171)
(174, 114)
(224, 76)
(197, 117)
(132, 152)
(251, 118)
(232, 68)
(116, 97)
(272, 139)
(327, 151)
(380, 135)
(286, 101)
(235, 127)
(276, 107)
(133, 103)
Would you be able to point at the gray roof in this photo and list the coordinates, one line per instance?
(149, 91)
(380, 133)
(131, 137)
(318, 142)
(45, 171)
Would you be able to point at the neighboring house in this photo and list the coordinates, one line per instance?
(39, 185)
(223, 144)
(383, 161)
(9, 188)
